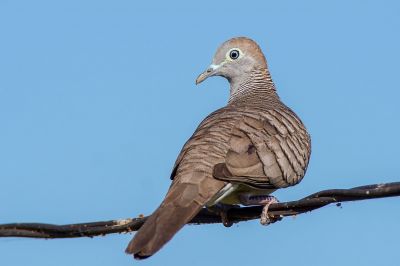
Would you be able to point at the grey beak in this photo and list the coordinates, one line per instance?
(203, 76)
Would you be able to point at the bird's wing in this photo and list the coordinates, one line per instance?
(200, 132)
(266, 153)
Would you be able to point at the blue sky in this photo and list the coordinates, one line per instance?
(98, 97)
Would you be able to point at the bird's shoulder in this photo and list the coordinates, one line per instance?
(215, 127)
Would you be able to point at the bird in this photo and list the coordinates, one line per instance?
(238, 155)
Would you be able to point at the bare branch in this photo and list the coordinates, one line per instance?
(235, 215)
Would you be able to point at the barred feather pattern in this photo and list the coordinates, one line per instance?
(284, 135)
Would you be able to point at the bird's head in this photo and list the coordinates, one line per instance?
(234, 60)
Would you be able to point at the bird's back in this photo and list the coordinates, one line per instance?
(270, 122)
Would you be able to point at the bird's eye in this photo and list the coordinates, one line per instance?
(234, 54)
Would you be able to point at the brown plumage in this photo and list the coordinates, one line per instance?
(255, 143)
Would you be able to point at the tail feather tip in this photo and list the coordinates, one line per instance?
(136, 254)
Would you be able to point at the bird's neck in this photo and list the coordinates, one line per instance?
(256, 86)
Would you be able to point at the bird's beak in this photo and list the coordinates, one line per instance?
(208, 73)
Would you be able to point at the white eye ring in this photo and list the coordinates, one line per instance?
(234, 54)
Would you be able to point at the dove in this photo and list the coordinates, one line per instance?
(238, 155)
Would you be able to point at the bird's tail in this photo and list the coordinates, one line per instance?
(184, 200)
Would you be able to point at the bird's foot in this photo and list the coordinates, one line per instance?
(222, 210)
(266, 218)
(266, 200)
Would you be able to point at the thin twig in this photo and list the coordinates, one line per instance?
(235, 215)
